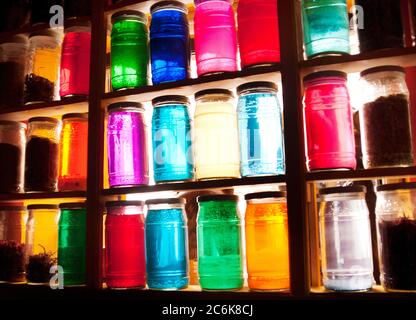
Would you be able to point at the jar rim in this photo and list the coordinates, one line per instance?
(42, 206)
(45, 33)
(170, 98)
(347, 189)
(257, 85)
(75, 116)
(396, 186)
(13, 124)
(172, 4)
(382, 69)
(165, 201)
(202, 93)
(217, 197)
(73, 205)
(326, 73)
(123, 203)
(265, 195)
(125, 104)
(128, 14)
(43, 119)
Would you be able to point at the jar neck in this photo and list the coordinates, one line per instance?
(267, 201)
(342, 196)
(166, 206)
(125, 211)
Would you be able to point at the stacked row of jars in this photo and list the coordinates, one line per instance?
(50, 156)
(154, 250)
(40, 69)
(345, 237)
(379, 24)
(16, 14)
(221, 143)
(215, 40)
(41, 239)
(384, 117)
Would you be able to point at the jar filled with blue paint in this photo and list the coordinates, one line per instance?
(260, 128)
(169, 42)
(166, 244)
(172, 139)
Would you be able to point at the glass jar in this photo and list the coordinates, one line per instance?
(73, 152)
(260, 127)
(396, 225)
(40, 10)
(325, 27)
(169, 42)
(125, 265)
(382, 25)
(75, 61)
(267, 241)
(12, 151)
(386, 137)
(76, 9)
(215, 37)
(41, 241)
(216, 135)
(127, 145)
(345, 239)
(42, 154)
(14, 14)
(41, 82)
(166, 244)
(129, 50)
(12, 243)
(329, 128)
(72, 242)
(172, 139)
(12, 71)
(258, 32)
(220, 263)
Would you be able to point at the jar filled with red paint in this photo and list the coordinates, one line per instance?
(75, 61)
(258, 32)
(328, 122)
(125, 265)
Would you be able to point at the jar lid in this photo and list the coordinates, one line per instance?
(45, 33)
(72, 205)
(74, 25)
(169, 4)
(217, 197)
(255, 85)
(125, 104)
(381, 69)
(166, 201)
(348, 189)
(171, 98)
(323, 74)
(201, 93)
(264, 195)
(19, 38)
(397, 186)
(12, 208)
(128, 14)
(44, 119)
(13, 124)
(75, 116)
(42, 206)
(123, 203)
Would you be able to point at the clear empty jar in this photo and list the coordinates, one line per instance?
(42, 74)
(396, 224)
(41, 241)
(386, 137)
(216, 135)
(42, 155)
(12, 71)
(127, 145)
(12, 243)
(12, 156)
(345, 239)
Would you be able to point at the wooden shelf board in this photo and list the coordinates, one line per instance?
(405, 57)
(198, 185)
(189, 87)
(361, 174)
(376, 292)
(52, 109)
(40, 195)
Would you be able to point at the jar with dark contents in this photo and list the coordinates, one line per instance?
(385, 118)
(42, 155)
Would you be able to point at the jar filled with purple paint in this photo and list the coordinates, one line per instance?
(127, 145)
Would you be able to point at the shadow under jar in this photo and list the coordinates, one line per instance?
(42, 155)
(396, 224)
(345, 239)
(12, 156)
(386, 137)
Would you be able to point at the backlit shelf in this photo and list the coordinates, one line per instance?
(42, 195)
